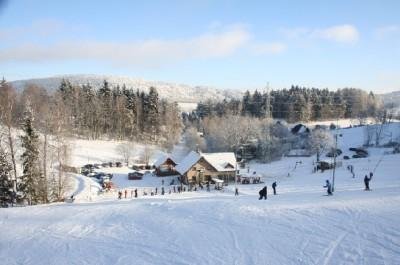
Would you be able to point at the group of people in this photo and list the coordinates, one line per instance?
(367, 179)
(264, 191)
(135, 191)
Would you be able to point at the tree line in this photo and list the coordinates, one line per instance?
(120, 113)
(36, 125)
(295, 104)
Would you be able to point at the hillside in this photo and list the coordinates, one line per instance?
(170, 91)
(298, 226)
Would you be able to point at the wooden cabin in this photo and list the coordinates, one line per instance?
(202, 167)
(165, 166)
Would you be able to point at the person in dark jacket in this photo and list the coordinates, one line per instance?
(274, 187)
(328, 187)
(263, 193)
(367, 180)
(135, 193)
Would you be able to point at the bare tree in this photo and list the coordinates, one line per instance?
(193, 140)
(7, 108)
(148, 151)
(126, 151)
(321, 140)
(60, 149)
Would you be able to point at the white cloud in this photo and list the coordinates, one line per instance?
(339, 33)
(386, 31)
(268, 48)
(145, 52)
(41, 28)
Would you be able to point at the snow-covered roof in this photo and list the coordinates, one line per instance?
(162, 158)
(187, 162)
(222, 162)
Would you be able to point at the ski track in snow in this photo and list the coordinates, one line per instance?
(298, 226)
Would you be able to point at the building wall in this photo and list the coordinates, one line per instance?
(203, 171)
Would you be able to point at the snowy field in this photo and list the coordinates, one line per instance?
(300, 225)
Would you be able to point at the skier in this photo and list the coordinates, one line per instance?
(135, 193)
(263, 193)
(72, 198)
(328, 187)
(126, 192)
(367, 180)
(162, 191)
(162, 182)
(156, 191)
(274, 187)
(236, 191)
(119, 195)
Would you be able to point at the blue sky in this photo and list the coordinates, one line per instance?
(227, 44)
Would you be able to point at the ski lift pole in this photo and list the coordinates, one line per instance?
(334, 156)
(334, 164)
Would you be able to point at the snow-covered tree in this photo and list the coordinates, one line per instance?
(320, 140)
(31, 178)
(6, 184)
(192, 139)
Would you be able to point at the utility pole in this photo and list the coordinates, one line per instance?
(334, 155)
(334, 163)
(269, 116)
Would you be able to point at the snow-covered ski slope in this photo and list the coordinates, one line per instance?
(300, 225)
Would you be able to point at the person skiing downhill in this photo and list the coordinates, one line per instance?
(263, 193)
(274, 187)
(328, 187)
(367, 180)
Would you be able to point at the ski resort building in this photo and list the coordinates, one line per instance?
(165, 166)
(199, 167)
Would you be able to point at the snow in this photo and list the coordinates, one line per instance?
(298, 226)
(162, 158)
(220, 161)
(171, 91)
(187, 162)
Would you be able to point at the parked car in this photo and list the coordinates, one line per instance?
(105, 165)
(85, 171)
(111, 164)
(346, 157)
(135, 175)
(118, 164)
(97, 166)
(359, 150)
(323, 165)
(360, 155)
(334, 152)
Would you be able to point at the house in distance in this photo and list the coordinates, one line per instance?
(165, 166)
(199, 167)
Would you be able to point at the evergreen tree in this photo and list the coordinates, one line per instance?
(31, 177)
(5, 179)
(152, 114)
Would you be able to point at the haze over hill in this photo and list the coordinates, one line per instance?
(170, 91)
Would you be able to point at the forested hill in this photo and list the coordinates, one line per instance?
(169, 91)
(298, 104)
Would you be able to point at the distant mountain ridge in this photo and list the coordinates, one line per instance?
(170, 91)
